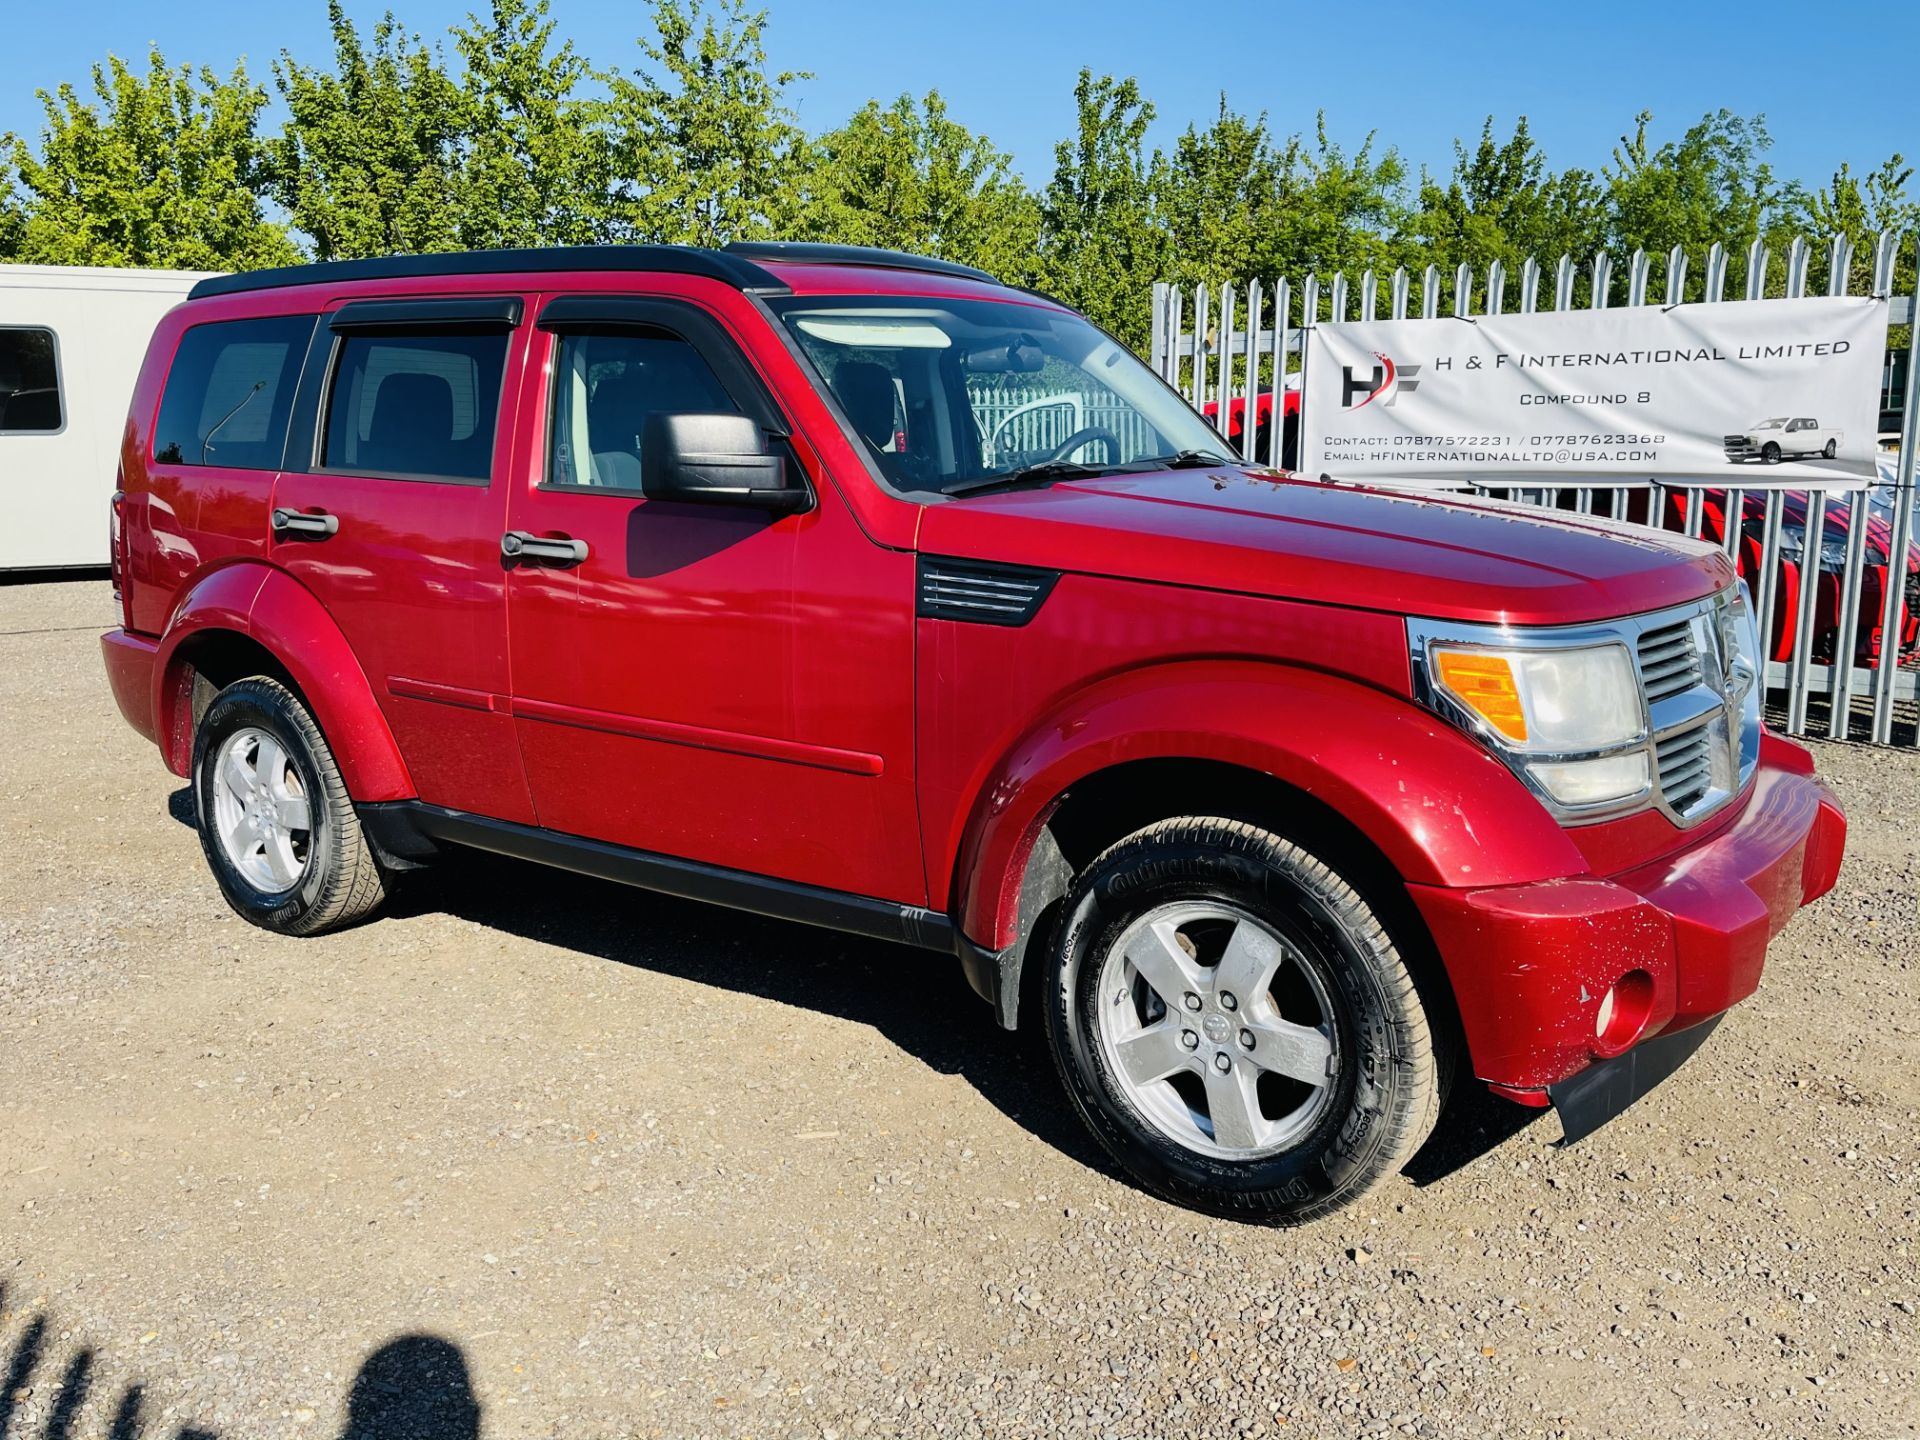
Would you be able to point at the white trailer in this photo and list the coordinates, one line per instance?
(71, 342)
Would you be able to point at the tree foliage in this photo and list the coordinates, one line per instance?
(368, 160)
(536, 156)
(909, 177)
(156, 169)
(1100, 235)
(707, 148)
(505, 134)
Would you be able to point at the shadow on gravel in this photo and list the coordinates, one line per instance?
(915, 998)
(415, 1387)
(1475, 1122)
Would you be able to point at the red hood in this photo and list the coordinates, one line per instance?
(1441, 556)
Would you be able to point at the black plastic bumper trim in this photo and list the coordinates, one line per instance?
(1600, 1092)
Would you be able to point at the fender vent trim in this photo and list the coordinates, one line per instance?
(982, 594)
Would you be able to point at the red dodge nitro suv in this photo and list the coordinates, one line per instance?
(718, 573)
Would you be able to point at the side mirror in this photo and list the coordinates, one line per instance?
(716, 460)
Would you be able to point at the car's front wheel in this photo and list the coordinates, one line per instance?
(1236, 1027)
(1770, 452)
(276, 823)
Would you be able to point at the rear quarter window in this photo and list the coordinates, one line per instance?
(230, 391)
(30, 402)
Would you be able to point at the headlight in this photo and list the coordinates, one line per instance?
(1568, 721)
(1833, 549)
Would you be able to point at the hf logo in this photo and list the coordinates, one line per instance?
(1385, 382)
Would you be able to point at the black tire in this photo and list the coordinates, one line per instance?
(1383, 1100)
(342, 882)
(1770, 452)
(1833, 448)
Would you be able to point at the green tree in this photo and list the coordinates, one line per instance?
(908, 177)
(1711, 184)
(1503, 203)
(156, 170)
(537, 153)
(1217, 197)
(368, 162)
(1102, 245)
(1861, 207)
(708, 150)
(1337, 211)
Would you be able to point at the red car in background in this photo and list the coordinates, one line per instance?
(1830, 568)
(1236, 426)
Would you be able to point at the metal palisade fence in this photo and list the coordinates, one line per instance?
(1835, 572)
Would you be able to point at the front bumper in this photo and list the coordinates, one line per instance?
(1530, 964)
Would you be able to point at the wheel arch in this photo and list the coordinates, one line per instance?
(251, 619)
(1377, 787)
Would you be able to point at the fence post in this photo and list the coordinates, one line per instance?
(1157, 346)
(1225, 400)
(1893, 600)
(1716, 273)
(1282, 313)
(1198, 399)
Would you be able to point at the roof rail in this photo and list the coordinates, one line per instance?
(800, 252)
(735, 269)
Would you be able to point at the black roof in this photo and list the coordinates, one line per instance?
(737, 265)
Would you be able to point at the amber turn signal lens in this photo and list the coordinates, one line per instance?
(1485, 685)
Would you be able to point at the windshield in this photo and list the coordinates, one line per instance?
(952, 395)
(1774, 424)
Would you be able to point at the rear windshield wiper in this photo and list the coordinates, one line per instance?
(1027, 475)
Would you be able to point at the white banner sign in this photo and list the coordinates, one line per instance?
(1742, 393)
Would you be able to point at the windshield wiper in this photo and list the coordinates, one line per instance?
(1181, 460)
(1045, 471)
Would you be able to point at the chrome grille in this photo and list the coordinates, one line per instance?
(1685, 764)
(1669, 661)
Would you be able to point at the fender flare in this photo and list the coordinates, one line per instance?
(281, 615)
(1439, 807)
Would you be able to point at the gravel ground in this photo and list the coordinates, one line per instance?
(537, 1156)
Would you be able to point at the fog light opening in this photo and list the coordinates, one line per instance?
(1623, 1012)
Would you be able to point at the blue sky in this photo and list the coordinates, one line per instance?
(1839, 81)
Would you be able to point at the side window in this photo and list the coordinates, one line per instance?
(605, 385)
(29, 382)
(415, 406)
(229, 392)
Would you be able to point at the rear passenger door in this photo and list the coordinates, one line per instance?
(390, 511)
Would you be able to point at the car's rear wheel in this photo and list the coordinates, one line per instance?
(1833, 447)
(1770, 452)
(1236, 1027)
(275, 820)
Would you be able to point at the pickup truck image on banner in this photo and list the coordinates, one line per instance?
(1754, 393)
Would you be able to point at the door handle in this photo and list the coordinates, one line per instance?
(524, 545)
(317, 526)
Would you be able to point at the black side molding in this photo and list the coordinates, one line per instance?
(669, 875)
(466, 312)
